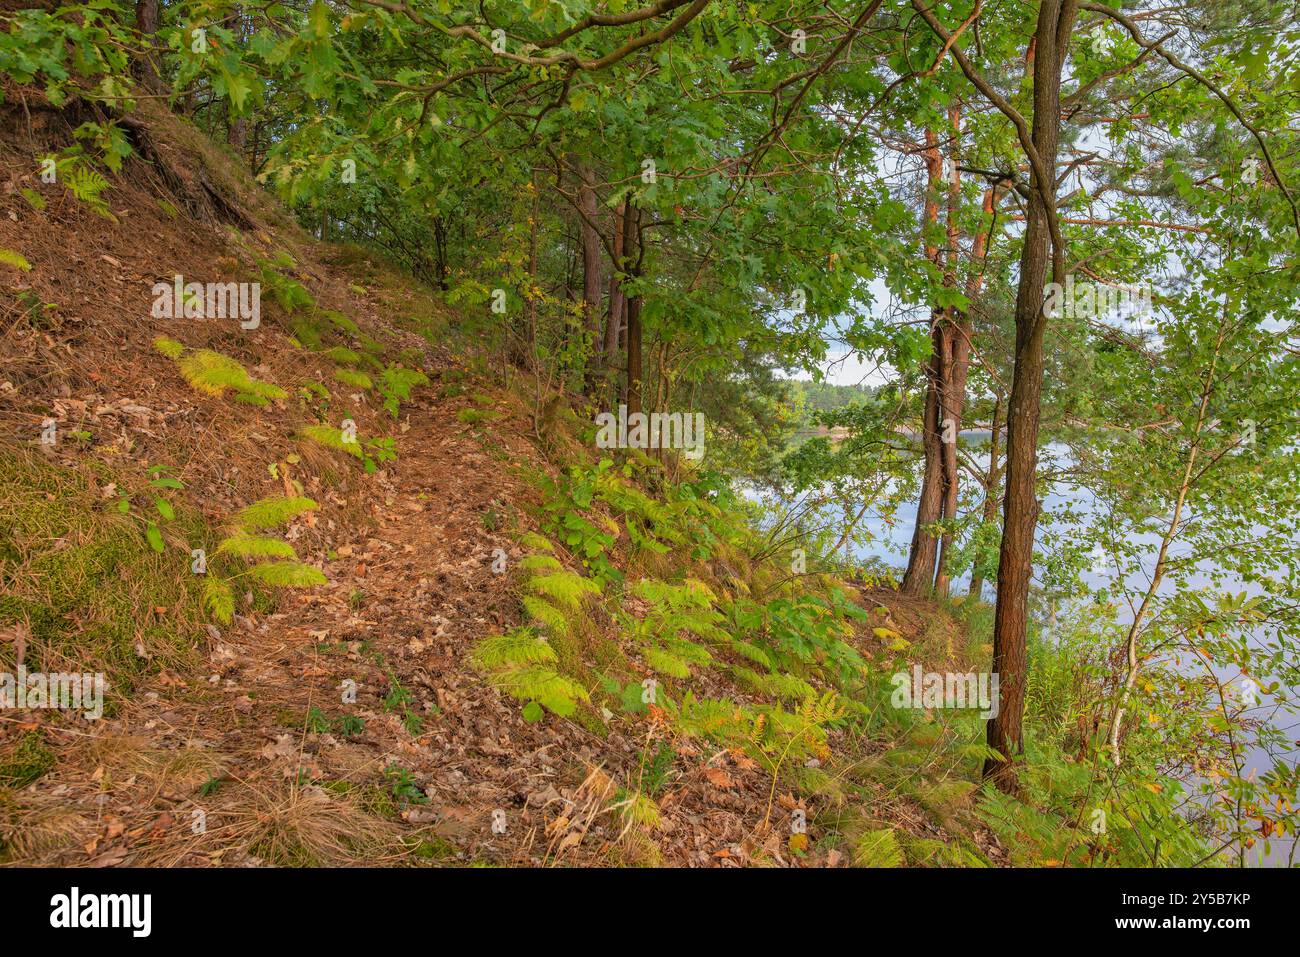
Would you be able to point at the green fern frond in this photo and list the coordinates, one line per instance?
(666, 663)
(306, 332)
(253, 546)
(248, 398)
(273, 511)
(358, 380)
(927, 852)
(564, 589)
(213, 373)
(637, 809)
(219, 599)
(331, 438)
(714, 718)
(692, 594)
(546, 614)
(946, 797)
(10, 258)
(877, 848)
(541, 684)
(688, 651)
(288, 574)
(169, 347)
(341, 355)
(520, 647)
(533, 541)
(816, 782)
(342, 321)
(790, 687)
(754, 653)
(86, 184)
(537, 563)
(266, 390)
(398, 381)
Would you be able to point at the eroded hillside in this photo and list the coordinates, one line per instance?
(429, 623)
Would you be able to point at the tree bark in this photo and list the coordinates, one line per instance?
(955, 360)
(147, 21)
(1020, 509)
(992, 484)
(919, 577)
(592, 280)
(634, 253)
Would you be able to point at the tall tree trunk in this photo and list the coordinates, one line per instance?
(633, 252)
(919, 577)
(955, 358)
(237, 128)
(1020, 509)
(992, 487)
(147, 21)
(617, 301)
(592, 280)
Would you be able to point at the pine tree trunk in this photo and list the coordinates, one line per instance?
(956, 359)
(921, 559)
(919, 577)
(147, 21)
(592, 281)
(992, 484)
(617, 301)
(1020, 509)
(632, 253)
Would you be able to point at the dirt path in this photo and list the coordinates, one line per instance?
(262, 729)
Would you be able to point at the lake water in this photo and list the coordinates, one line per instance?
(890, 540)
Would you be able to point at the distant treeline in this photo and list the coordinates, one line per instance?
(810, 397)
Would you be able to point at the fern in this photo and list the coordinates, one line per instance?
(219, 599)
(818, 783)
(288, 574)
(688, 651)
(342, 321)
(537, 683)
(396, 383)
(754, 653)
(10, 258)
(564, 589)
(358, 380)
(343, 356)
(213, 373)
(266, 390)
(877, 848)
(519, 647)
(252, 546)
(270, 512)
(537, 563)
(544, 613)
(169, 347)
(533, 541)
(945, 798)
(331, 438)
(637, 809)
(717, 719)
(86, 184)
(666, 663)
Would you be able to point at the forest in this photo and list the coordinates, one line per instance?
(649, 433)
